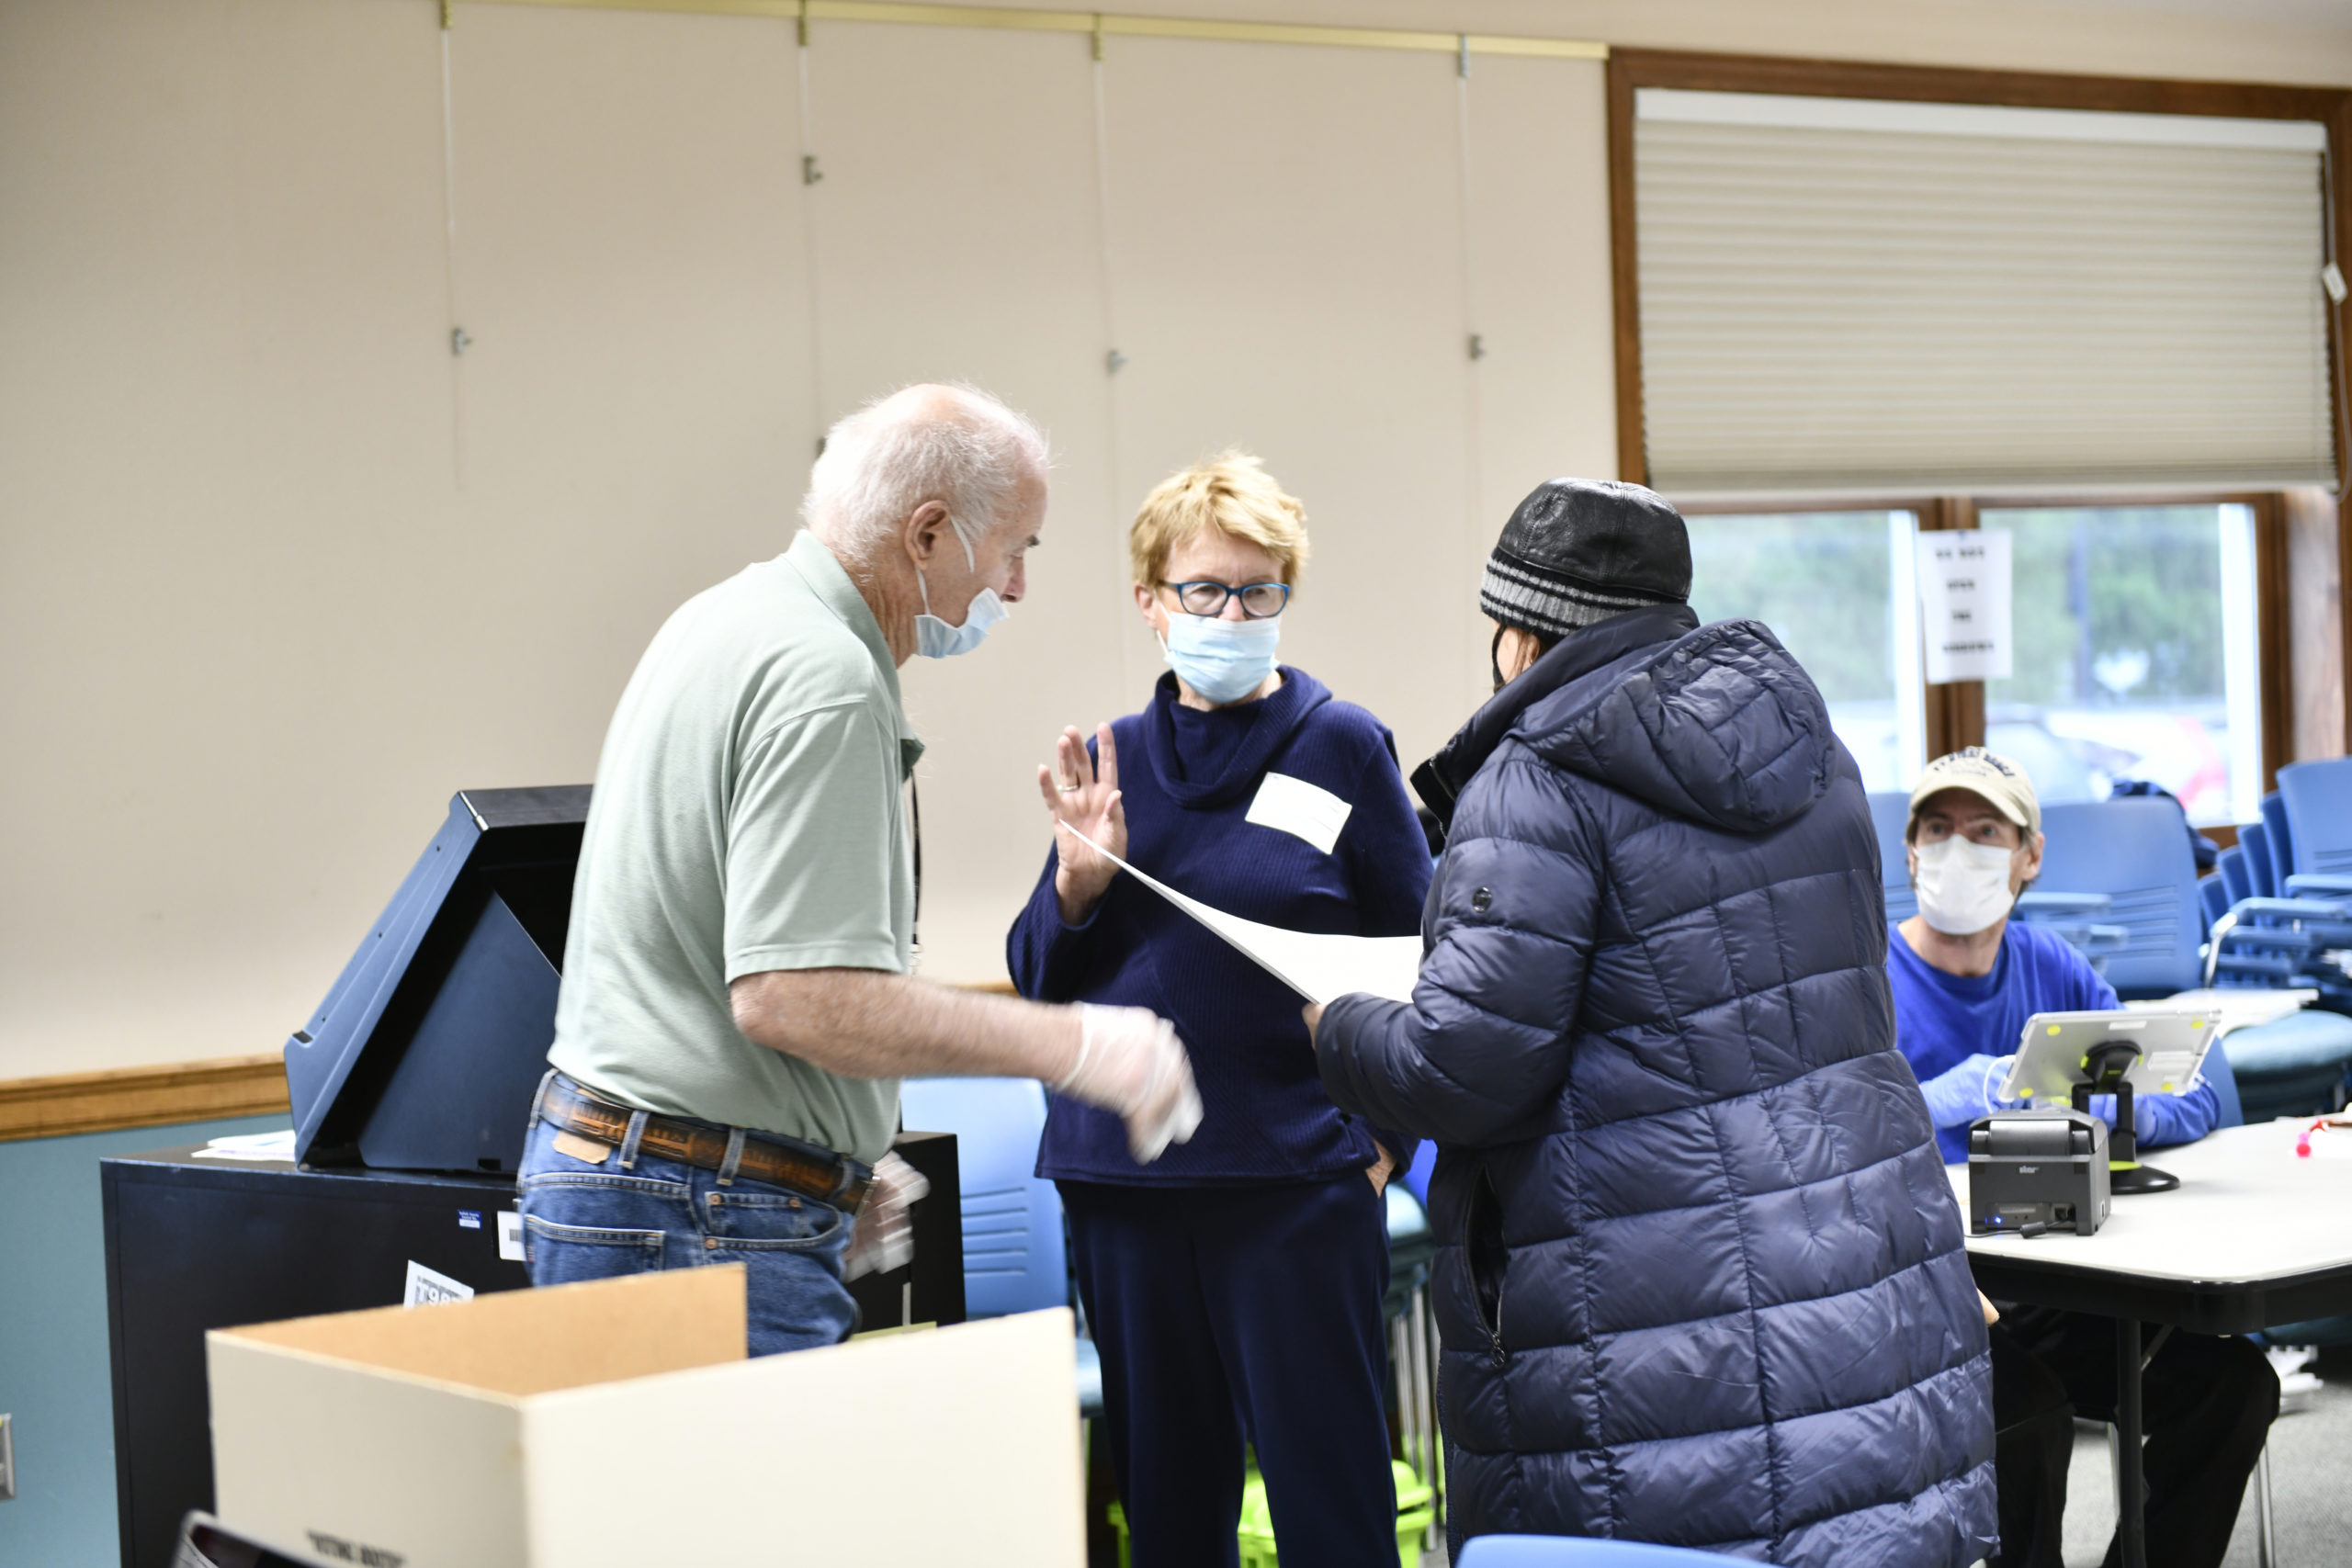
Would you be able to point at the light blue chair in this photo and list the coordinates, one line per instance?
(2229, 866)
(1015, 1259)
(2136, 852)
(2316, 799)
(2261, 875)
(1890, 813)
(2292, 1066)
(1575, 1551)
(2298, 1064)
(2214, 896)
(2281, 838)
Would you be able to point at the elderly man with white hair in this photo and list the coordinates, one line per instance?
(736, 1008)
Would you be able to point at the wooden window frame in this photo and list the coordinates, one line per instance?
(1955, 712)
(1956, 709)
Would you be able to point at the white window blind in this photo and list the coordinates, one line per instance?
(1845, 295)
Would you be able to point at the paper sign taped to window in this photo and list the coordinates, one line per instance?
(1965, 603)
(1315, 965)
(427, 1288)
(1295, 807)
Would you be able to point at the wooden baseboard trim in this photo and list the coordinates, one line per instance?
(141, 1096)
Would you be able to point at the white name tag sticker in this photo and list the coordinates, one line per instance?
(425, 1288)
(1299, 808)
(510, 1238)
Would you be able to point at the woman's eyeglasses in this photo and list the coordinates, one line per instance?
(1259, 600)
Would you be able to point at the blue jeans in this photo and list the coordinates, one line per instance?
(598, 1221)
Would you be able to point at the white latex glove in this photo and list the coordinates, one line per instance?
(883, 1236)
(1130, 1061)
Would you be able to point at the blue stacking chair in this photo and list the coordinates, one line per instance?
(2258, 938)
(1888, 815)
(2136, 852)
(2316, 800)
(2214, 896)
(2282, 838)
(1015, 1259)
(2231, 868)
(2261, 875)
(2295, 1065)
(1575, 1551)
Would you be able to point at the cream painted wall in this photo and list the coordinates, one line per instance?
(277, 574)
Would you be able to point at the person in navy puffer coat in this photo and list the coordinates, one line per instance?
(1700, 1279)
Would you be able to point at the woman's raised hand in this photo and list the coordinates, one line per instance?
(1084, 798)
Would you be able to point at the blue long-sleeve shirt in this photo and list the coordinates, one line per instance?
(1189, 780)
(1942, 1020)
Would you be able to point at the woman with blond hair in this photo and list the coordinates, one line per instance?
(1234, 1285)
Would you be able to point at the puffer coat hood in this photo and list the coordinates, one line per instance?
(1701, 1278)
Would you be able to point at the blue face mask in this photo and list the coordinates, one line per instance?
(1223, 661)
(935, 638)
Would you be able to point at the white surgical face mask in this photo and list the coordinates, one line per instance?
(1963, 887)
(935, 638)
(1223, 661)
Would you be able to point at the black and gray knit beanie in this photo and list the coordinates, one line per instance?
(1578, 551)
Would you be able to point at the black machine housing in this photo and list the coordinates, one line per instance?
(2035, 1171)
(426, 1052)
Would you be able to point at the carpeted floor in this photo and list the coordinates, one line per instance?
(2311, 1484)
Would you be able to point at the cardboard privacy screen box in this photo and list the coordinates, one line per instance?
(619, 1423)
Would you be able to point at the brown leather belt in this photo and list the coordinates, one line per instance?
(827, 1177)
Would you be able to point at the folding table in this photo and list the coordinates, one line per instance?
(2254, 1236)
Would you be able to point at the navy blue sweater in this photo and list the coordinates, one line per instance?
(1188, 779)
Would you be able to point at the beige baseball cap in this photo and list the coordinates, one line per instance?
(1984, 773)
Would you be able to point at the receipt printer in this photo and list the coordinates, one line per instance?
(2029, 1171)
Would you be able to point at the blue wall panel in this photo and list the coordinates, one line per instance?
(54, 1374)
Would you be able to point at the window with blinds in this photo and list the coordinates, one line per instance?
(1861, 296)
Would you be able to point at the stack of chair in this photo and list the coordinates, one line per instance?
(2278, 905)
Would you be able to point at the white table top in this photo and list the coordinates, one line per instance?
(2247, 1209)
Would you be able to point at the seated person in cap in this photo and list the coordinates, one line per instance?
(1965, 980)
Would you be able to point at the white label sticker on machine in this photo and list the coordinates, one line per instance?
(428, 1288)
(510, 1238)
(1301, 809)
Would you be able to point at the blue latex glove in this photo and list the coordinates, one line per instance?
(1958, 1095)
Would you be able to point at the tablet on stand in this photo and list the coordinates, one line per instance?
(2067, 1057)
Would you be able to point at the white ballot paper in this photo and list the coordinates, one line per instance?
(1318, 967)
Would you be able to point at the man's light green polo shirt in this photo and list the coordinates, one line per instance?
(748, 816)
